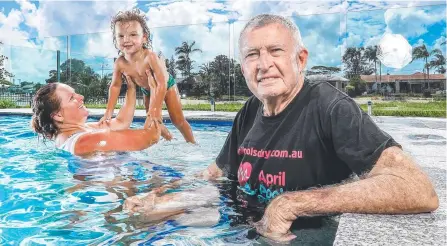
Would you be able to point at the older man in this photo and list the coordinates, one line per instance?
(295, 145)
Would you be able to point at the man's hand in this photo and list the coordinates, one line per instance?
(135, 204)
(277, 219)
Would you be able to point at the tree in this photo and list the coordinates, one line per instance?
(53, 77)
(357, 84)
(356, 63)
(421, 53)
(170, 65)
(3, 72)
(184, 62)
(371, 55)
(75, 71)
(438, 62)
(37, 86)
(79, 76)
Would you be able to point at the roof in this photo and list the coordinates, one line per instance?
(326, 77)
(407, 77)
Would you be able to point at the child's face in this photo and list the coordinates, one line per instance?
(129, 36)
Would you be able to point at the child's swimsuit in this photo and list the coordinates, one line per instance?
(171, 83)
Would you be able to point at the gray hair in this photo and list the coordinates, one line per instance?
(267, 19)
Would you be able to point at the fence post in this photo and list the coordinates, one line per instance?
(58, 65)
(213, 104)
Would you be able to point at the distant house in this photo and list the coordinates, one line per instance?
(415, 83)
(337, 81)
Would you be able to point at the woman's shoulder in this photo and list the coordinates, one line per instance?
(67, 142)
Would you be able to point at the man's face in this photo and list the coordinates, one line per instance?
(270, 63)
(129, 36)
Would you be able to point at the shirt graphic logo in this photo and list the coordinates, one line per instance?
(244, 172)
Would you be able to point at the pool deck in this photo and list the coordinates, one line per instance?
(423, 138)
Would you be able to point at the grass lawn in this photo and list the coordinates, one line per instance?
(396, 108)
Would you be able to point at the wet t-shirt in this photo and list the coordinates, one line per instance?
(321, 138)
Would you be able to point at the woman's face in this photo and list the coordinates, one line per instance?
(72, 109)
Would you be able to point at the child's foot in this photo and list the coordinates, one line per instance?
(165, 133)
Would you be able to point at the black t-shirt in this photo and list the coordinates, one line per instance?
(321, 138)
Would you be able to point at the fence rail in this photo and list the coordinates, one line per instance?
(26, 100)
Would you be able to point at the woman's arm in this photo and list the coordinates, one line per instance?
(120, 140)
(126, 139)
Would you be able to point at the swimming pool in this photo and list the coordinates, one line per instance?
(45, 197)
(41, 204)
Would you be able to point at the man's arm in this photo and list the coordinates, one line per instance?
(395, 185)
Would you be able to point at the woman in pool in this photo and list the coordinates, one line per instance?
(59, 114)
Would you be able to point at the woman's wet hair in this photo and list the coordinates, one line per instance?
(45, 103)
(128, 16)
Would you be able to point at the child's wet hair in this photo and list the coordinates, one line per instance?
(132, 15)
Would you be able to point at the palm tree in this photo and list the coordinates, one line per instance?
(371, 55)
(207, 73)
(184, 62)
(438, 62)
(421, 52)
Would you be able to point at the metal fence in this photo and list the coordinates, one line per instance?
(26, 99)
(21, 100)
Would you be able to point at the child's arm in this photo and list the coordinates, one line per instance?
(158, 67)
(124, 118)
(114, 91)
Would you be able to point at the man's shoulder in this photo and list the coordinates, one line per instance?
(249, 109)
(324, 93)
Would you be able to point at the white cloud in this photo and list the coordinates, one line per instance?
(437, 44)
(76, 17)
(413, 22)
(101, 45)
(184, 13)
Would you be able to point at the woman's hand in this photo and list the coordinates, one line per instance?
(129, 82)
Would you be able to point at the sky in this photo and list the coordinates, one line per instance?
(32, 32)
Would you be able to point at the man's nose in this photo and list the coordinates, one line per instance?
(265, 61)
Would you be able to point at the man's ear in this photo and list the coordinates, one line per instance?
(301, 59)
(57, 117)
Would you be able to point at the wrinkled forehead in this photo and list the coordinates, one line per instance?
(128, 26)
(266, 36)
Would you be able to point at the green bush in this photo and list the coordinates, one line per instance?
(350, 90)
(410, 113)
(7, 104)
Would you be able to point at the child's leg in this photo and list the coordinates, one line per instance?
(174, 106)
(147, 98)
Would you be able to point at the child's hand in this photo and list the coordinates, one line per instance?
(107, 116)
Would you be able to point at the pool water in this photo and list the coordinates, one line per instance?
(46, 199)
(50, 197)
